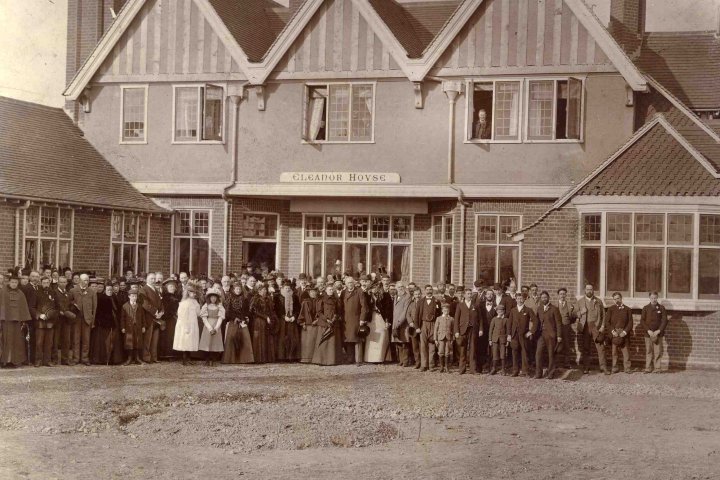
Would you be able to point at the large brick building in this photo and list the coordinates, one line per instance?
(437, 140)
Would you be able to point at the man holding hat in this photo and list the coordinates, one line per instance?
(620, 323)
(653, 321)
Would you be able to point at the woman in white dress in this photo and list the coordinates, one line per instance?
(187, 333)
(377, 343)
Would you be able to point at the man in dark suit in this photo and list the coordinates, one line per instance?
(653, 321)
(487, 313)
(85, 299)
(46, 320)
(150, 301)
(466, 331)
(568, 317)
(620, 323)
(29, 285)
(356, 310)
(428, 310)
(520, 320)
(548, 332)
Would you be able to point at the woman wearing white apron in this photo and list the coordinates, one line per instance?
(377, 343)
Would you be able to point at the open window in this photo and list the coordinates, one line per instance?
(199, 113)
(339, 112)
(554, 110)
(494, 111)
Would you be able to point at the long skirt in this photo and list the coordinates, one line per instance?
(100, 345)
(308, 339)
(288, 341)
(13, 348)
(118, 351)
(233, 354)
(328, 351)
(165, 342)
(378, 341)
(260, 340)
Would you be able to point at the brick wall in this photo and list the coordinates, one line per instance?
(91, 243)
(159, 244)
(7, 236)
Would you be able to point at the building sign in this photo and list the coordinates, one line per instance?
(339, 177)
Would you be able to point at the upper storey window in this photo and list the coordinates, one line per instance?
(198, 113)
(339, 113)
(133, 108)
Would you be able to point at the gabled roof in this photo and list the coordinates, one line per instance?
(44, 156)
(686, 63)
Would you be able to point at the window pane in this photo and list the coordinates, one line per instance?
(448, 236)
(574, 109)
(618, 270)
(509, 263)
(182, 255)
(334, 226)
(401, 228)
(507, 101)
(313, 227)
(316, 112)
(333, 255)
(540, 111)
(486, 229)
(709, 229)
(213, 113)
(447, 264)
(507, 226)
(561, 103)
(116, 260)
(142, 258)
(339, 112)
(485, 261)
(129, 229)
(186, 113)
(437, 262)
(591, 227)
(649, 228)
(182, 223)
(354, 255)
(482, 113)
(48, 222)
(65, 222)
(133, 114)
(378, 259)
(400, 263)
(201, 223)
(260, 226)
(313, 259)
(618, 227)
(30, 254)
(31, 221)
(591, 266)
(142, 229)
(680, 229)
(709, 273)
(47, 253)
(380, 228)
(357, 227)
(679, 271)
(648, 270)
(64, 255)
(362, 108)
(437, 229)
(200, 253)
(129, 258)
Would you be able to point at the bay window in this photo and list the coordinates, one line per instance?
(191, 242)
(48, 237)
(198, 113)
(339, 112)
(497, 257)
(128, 243)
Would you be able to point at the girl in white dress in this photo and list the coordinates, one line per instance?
(187, 333)
(212, 314)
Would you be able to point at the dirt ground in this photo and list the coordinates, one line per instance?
(296, 421)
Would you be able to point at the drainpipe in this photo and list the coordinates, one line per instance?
(453, 89)
(235, 99)
(17, 231)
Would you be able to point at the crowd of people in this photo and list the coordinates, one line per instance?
(50, 318)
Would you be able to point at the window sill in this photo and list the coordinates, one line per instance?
(554, 141)
(672, 304)
(138, 142)
(204, 142)
(483, 142)
(305, 142)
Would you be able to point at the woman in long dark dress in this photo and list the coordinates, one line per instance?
(328, 350)
(308, 322)
(170, 303)
(262, 313)
(238, 340)
(101, 342)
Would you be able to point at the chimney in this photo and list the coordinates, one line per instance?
(627, 23)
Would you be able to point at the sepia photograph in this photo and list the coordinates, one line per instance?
(360, 239)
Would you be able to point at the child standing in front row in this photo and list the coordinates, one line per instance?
(444, 328)
(212, 314)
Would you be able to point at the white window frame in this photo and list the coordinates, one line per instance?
(500, 242)
(469, 109)
(122, 242)
(344, 241)
(306, 94)
(442, 243)
(690, 304)
(144, 141)
(526, 109)
(199, 140)
(39, 237)
(275, 240)
(191, 236)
